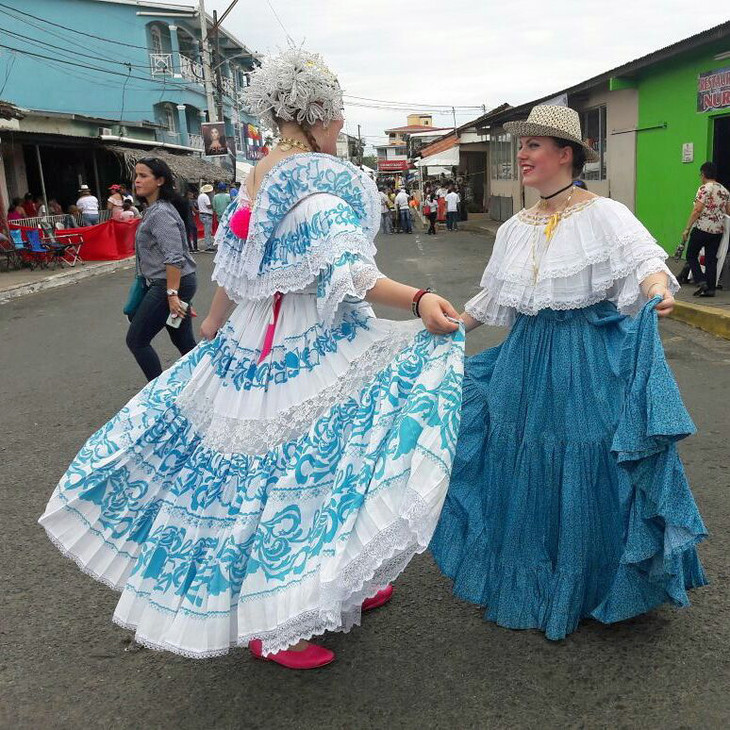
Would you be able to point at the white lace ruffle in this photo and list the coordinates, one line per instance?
(599, 252)
(227, 434)
(229, 269)
(291, 194)
(349, 281)
(378, 563)
(339, 607)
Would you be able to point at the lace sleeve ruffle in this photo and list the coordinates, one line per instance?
(629, 298)
(349, 278)
(229, 247)
(486, 309)
(310, 240)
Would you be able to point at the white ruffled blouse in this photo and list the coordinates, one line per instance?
(599, 251)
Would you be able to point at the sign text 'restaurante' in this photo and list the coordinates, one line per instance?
(713, 90)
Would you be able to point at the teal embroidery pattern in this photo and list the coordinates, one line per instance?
(193, 527)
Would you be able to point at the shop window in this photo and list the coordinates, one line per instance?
(502, 157)
(593, 125)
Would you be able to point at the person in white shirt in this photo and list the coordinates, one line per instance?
(205, 211)
(404, 211)
(88, 204)
(452, 209)
(386, 221)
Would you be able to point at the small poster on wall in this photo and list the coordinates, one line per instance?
(214, 139)
(688, 152)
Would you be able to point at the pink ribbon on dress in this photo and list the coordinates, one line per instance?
(271, 329)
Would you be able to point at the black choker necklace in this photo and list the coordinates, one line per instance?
(562, 190)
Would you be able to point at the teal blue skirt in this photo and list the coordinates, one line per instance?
(567, 498)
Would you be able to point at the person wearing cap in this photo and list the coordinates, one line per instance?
(568, 499)
(115, 201)
(124, 192)
(205, 211)
(88, 205)
(268, 487)
(221, 200)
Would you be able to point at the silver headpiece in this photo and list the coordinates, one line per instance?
(295, 86)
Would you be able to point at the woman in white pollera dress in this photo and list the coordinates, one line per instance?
(288, 468)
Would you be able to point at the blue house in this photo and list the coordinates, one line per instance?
(98, 81)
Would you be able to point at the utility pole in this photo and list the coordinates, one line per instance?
(359, 147)
(205, 58)
(218, 62)
(453, 111)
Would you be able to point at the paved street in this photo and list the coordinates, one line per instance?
(427, 660)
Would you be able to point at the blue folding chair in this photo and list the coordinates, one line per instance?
(21, 250)
(38, 253)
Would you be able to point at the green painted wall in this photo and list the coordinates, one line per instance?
(665, 186)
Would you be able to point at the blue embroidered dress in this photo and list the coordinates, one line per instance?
(568, 498)
(235, 498)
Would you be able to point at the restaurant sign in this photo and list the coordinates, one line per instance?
(392, 165)
(713, 90)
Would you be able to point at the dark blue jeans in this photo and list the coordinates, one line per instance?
(451, 218)
(405, 220)
(150, 318)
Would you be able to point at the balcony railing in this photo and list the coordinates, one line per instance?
(190, 69)
(161, 64)
(228, 87)
(168, 136)
(195, 140)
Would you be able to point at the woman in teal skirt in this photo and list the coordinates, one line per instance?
(568, 499)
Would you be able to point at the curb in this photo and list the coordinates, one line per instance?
(64, 278)
(710, 319)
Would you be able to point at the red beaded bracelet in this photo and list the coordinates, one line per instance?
(417, 299)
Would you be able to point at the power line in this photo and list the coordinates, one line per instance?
(276, 15)
(72, 30)
(8, 72)
(414, 104)
(46, 44)
(84, 66)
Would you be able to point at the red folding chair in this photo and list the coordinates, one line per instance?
(72, 243)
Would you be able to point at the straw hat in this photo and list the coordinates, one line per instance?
(206, 189)
(553, 121)
(84, 189)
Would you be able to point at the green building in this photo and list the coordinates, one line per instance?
(684, 120)
(652, 122)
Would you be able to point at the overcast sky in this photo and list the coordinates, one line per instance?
(452, 52)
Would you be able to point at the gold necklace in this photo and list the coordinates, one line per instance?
(549, 231)
(287, 143)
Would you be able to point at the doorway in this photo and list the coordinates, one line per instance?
(721, 149)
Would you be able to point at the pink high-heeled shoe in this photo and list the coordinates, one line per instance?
(313, 657)
(379, 599)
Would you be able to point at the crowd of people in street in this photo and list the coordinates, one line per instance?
(441, 202)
